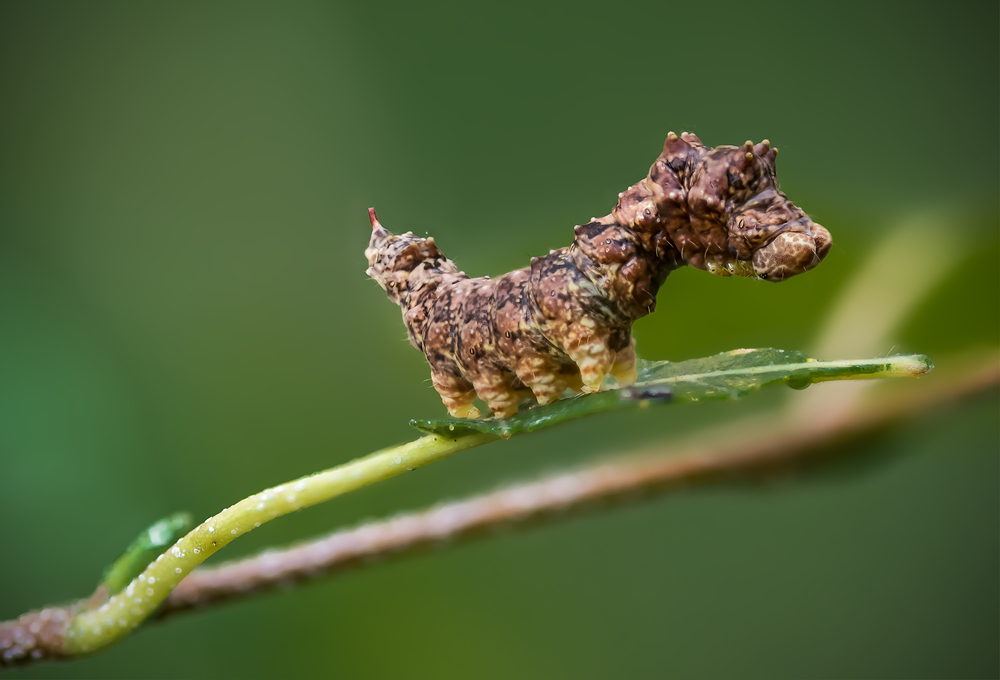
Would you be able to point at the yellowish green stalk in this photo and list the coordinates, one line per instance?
(93, 629)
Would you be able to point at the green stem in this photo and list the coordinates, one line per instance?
(93, 629)
(149, 545)
(96, 628)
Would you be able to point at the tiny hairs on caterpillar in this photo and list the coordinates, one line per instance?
(566, 321)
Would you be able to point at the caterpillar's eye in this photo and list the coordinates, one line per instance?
(506, 334)
(763, 276)
(392, 284)
(741, 224)
(608, 242)
(472, 352)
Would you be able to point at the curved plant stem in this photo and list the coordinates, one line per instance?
(101, 620)
(778, 442)
(90, 630)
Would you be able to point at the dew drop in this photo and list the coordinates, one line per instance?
(798, 383)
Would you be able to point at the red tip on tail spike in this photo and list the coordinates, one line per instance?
(373, 218)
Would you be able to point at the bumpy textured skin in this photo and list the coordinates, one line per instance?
(566, 321)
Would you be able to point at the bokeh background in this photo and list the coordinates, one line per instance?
(185, 320)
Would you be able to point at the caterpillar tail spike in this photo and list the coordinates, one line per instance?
(565, 321)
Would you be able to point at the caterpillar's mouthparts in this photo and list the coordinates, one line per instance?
(791, 253)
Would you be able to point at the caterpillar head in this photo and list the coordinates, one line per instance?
(771, 236)
(400, 263)
(768, 236)
(778, 248)
(723, 211)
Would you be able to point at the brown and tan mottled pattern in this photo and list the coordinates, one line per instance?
(566, 321)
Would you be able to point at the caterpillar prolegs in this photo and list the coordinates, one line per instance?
(566, 321)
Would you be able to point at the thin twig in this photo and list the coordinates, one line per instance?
(784, 445)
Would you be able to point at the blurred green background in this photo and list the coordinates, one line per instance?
(185, 320)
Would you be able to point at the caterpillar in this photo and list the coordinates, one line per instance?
(565, 322)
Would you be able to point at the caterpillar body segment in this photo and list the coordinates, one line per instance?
(565, 321)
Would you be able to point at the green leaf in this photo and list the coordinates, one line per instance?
(147, 547)
(729, 375)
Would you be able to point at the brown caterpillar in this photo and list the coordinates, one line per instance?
(566, 321)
